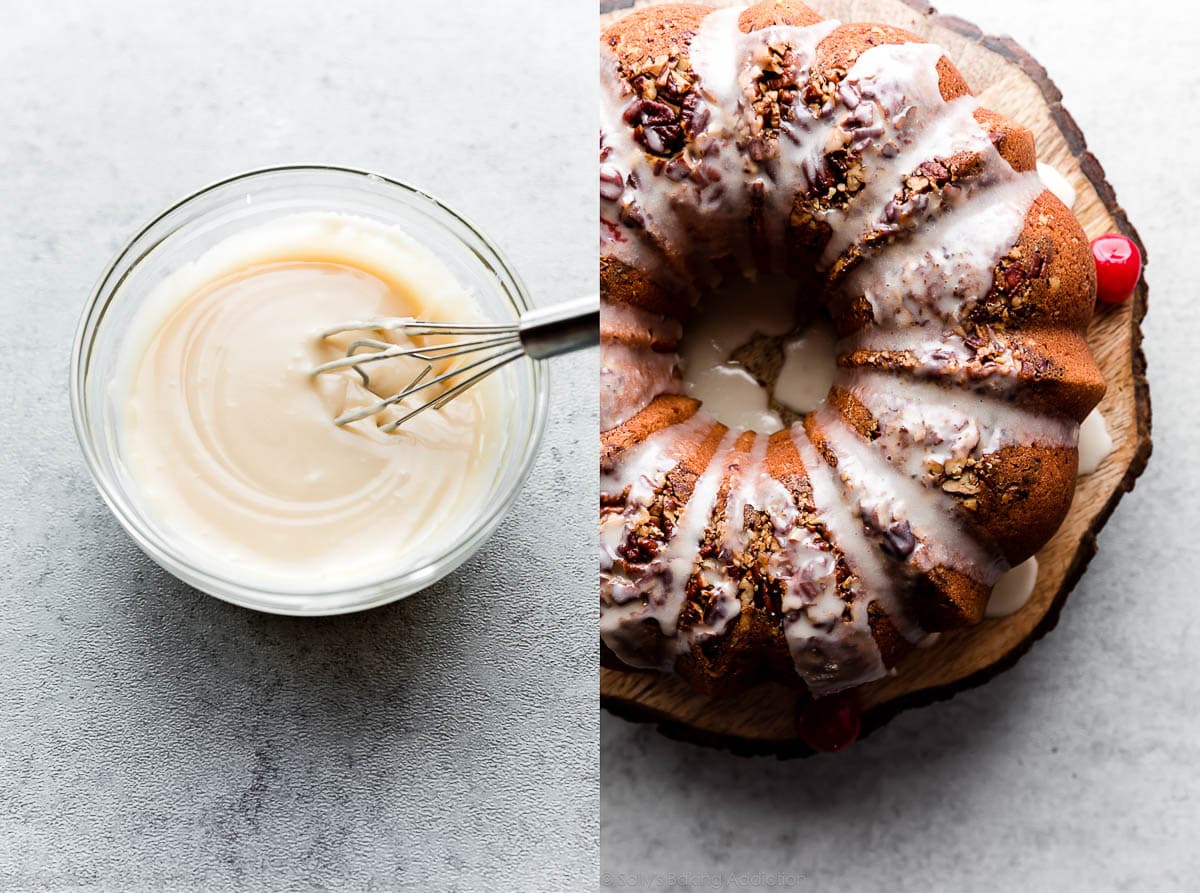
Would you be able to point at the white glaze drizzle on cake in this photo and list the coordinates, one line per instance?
(994, 367)
(1095, 443)
(633, 371)
(730, 392)
(727, 62)
(724, 323)
(1013, 589)
(641, 470)
(656, 592)
(945, 268)
(619, 157)
(832, 653)
(911, 526)
(898, 102)
(1057, 183)
(809, 368)
(625, 323)
(875, 510)
(630, 377)
(922, 424)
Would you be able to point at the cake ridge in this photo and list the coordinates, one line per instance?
(661, 586)
(811, 634)
(962, 278)
(908, 526)
(943, 131)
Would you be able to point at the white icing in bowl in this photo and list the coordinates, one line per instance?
(229, 436)
(185, 232)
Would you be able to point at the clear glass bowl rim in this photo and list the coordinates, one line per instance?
(282, 601)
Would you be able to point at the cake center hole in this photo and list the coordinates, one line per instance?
(757, 355)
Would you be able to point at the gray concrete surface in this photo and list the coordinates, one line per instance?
(1077, 770)
(152, 738)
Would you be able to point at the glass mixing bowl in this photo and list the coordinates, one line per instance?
(189, 228)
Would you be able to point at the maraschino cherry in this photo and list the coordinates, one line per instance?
(831, 723)
(1118, 267)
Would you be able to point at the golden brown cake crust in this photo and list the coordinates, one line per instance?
(663, 412)
(777, 12)
(626, 285)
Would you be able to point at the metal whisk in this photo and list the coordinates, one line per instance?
(538, 334)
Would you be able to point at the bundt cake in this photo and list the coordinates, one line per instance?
(738, 142)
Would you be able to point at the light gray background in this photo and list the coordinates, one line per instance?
(154, 738)
(1080, 768)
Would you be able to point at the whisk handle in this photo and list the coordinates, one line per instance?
(550, 331)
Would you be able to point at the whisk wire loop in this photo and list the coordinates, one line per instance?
(538, 334)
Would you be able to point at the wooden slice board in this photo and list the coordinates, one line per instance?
(763, 720)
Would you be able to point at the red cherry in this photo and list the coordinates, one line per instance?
(831, 723)
(1118, 267)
